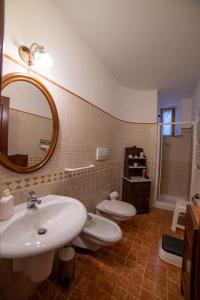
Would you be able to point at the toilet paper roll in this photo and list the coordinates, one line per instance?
(113, 195)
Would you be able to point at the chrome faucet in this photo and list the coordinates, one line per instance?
(32, 200)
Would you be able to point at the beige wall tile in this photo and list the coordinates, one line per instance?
(82, 128)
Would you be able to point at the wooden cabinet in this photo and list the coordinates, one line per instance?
(137, 193)
(136, 185)
(19, 159)
(190, 277)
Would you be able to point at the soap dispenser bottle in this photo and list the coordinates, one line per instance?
(6, 205)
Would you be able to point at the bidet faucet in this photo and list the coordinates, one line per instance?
(32, 200)
(89, 218)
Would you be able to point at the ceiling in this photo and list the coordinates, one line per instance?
(146, 44)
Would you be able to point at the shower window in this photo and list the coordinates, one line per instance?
(168, 116)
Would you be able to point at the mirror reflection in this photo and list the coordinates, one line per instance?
(29, 122)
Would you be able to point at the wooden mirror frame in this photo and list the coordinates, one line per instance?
(9, 78)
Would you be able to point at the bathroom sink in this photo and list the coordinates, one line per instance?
(49, 226)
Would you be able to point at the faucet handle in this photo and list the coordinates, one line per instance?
(32, 199)
(32, 195)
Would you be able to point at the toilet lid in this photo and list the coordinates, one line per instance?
(120, 208)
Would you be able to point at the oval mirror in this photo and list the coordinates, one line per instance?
(28, 124)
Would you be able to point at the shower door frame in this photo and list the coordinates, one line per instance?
(159, 158)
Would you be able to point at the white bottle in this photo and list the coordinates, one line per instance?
(6, 205)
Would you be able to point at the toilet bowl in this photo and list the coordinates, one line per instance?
(98, 231)
(116, 210)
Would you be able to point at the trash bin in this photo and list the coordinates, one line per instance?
(66, 258)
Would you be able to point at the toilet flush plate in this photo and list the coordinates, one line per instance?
(102, 153)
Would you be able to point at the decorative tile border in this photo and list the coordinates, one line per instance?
(18, 184)
(172, 163)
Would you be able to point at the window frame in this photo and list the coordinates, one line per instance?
(173, 110)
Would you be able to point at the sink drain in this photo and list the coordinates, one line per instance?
(42, 231)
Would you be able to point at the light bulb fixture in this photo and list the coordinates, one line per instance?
(35, 55)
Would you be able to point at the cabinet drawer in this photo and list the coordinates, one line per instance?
(142, 188)
(138, 194)
(189, 227)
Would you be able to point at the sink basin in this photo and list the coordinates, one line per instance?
(62, 219)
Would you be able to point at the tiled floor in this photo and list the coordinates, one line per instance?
(129, 270)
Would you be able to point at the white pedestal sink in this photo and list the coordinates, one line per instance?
(62, 219)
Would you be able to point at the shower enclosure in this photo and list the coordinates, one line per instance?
(174, 163)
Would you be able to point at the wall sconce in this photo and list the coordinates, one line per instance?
(35, 55)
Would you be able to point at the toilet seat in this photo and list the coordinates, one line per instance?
(102, 229)
(118, 208)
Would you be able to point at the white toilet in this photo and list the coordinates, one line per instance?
(98, 231)
(115, 209)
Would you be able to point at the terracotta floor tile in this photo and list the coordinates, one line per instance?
(43, 286)
(125, 272)
(135, 289)
(149, 275)
(160, 292)
(35, 296)
(94, 291)
(130, 264)
(48, 292)
(59, 296)
(174, 297)
(67, 291)
(131, 297)
(162, 281)
(77, 294)
(128, 270)
(173, 285)
(152, 268)
(120, 294)
(148, 284)
(141, 262)
(145, 295)
(136, 279)
(106, 285)
(107, 297)
(173, 268)
(83, 284)
(173, 276)
(133, 254)
(90, 273)
(123, 283)
(139, 270)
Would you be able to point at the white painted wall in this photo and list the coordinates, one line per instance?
(140, 106)
(26, 97)
(75, 65)
(186, 111)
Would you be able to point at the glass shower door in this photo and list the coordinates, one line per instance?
(175, 163)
